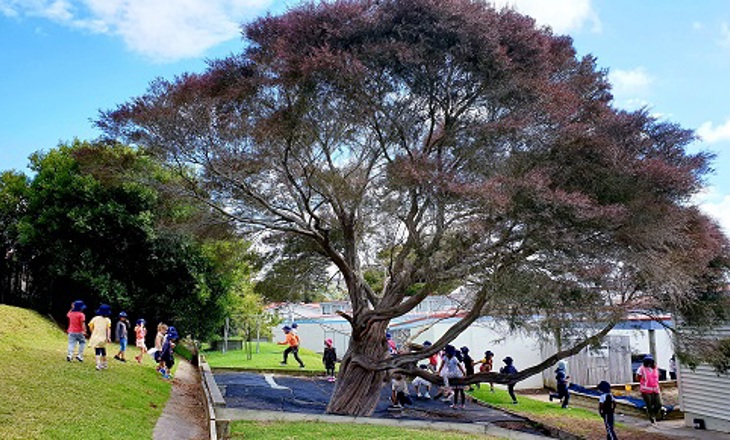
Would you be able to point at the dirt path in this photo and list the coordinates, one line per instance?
(184, 416)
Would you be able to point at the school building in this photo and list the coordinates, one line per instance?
(432, 318)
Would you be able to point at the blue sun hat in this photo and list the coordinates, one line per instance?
(78, 306)
(141, 321)
(294, 325)
(172, 333)
(286, 329)
(122, 314)
(508, 360)
(604, 387)
(427, 343)
(104, 310)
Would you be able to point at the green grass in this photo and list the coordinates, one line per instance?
(268, 358)
(322, 431)
(501, 399)
(578, 421)
(55, 399)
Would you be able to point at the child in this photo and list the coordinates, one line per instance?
(433, 360)
(292, 340)
(454, 370)
(392, 348)
(159, 342)
(166, 354)
(121, 332)
(140, 333)
(76, 330)
(329, 357)
(509, 368)
(419, 382)
(101, 328)
(468, 363)
(399, 392)
(562, 381)
(606, 408)
(486, 366)
(649, 387)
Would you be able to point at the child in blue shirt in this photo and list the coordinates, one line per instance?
(167, 355)
(509, 368)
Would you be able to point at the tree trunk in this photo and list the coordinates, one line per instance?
(358, 388)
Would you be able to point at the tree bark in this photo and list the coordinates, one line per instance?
(359, 382)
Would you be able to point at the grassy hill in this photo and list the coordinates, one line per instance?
(46, 397)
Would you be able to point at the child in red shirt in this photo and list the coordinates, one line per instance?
(76, 330)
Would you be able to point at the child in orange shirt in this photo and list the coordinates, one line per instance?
(293, 341)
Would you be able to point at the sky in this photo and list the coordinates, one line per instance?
(62, 61)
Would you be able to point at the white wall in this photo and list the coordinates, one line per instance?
(640, 344)
(479, 338)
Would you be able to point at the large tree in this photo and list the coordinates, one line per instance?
(441, 142)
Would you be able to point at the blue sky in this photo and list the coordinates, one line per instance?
(62, 61)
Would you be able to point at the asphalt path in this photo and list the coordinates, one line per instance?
(297, 394)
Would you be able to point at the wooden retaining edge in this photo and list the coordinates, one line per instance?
(217, 427)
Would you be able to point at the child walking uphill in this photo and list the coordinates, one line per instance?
(329, 358)
(292, 340)
(140, 332)
(76, 330)
(101, 333)
(606, 408)
(509, 368)
(167, 353)
(159, 342)
(121, 333)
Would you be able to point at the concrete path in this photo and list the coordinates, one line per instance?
(184, 416)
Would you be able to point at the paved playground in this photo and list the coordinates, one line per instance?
(309, 395)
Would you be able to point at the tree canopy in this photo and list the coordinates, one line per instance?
(442, 143)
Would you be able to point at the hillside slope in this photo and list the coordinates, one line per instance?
(45, 397)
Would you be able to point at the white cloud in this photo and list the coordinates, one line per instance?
(164, 30)
(563, 16)
(717, 206)
(628, 83)
(711, 133)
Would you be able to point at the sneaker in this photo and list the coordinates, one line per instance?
(427, 396)
(514, 402)
(79, 358)
(420, 396)
(463, 406)
(301, 367)
(68, 358)
(98, 367)
(163, 371)
(550, 396)
(282, 363)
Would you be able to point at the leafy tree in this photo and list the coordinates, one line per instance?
(90, 228)
(13, 189)
(441, 143)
